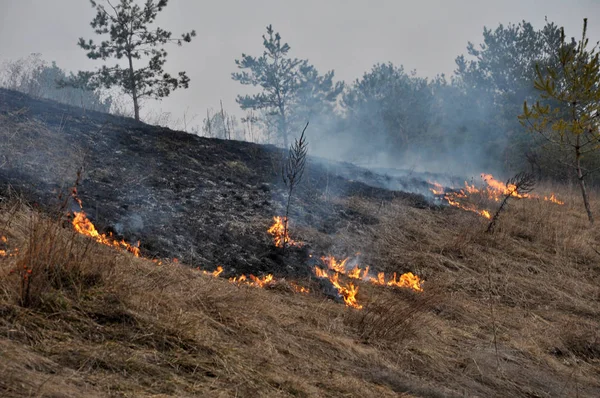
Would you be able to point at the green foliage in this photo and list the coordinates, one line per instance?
(470, 119)
(505, 62)
(131, 37)
(291, 89)
(567, 113)
(568, 110)
(495, 80)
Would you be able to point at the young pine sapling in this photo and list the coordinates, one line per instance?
(292, 171)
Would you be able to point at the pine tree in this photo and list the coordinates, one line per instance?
(131, 37)
(291, 88)
(568, 115)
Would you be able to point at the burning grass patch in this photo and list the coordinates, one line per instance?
(145, 329)
(49, 259)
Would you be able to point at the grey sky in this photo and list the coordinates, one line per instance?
(348, 36)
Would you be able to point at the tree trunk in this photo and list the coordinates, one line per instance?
(284, 131)
(282, 121)
(136, 106)
(581, 178)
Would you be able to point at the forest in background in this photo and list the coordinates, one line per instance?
(463, 124)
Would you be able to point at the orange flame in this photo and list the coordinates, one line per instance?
(495, 190)
(339, 267)
(438, 188)
(552, 198)
(253, 280)
(6, 252)
(469, 207)
(363, 274)
(214, 273)
(299, 289)
(260, 282)
(85, 227)
(279, 233)
(333, 264)
(408, 279)
(3, 239)
(348, 292)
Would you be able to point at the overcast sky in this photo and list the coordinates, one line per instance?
(348, 36)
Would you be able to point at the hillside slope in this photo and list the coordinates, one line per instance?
(513, 313)
(180, 195)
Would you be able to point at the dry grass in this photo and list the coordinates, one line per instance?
(146, 330)
(25, 144)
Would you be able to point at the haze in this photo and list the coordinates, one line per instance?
(347, 36)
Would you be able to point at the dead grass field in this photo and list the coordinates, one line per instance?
(510, 314)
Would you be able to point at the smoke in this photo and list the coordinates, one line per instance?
(421, 126)
(394, 120)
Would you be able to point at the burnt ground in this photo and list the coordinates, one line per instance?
(207, 202)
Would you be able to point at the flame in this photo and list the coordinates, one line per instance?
(408, 279)
(348, 292)
(253, 280)
(7, 252)
(260, 282)
(552, 198)
(363, 274)
(85, 227)
(214, 273)
(438, 188)
(339, 267)
(280, 235)
(494, 190)
(3, 253)
(469, 207)
(333, 264)
(299, 289)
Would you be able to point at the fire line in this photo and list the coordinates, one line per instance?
(494, 191)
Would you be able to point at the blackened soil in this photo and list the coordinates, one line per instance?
(207, 202)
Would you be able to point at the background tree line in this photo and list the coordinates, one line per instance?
(390, 116)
